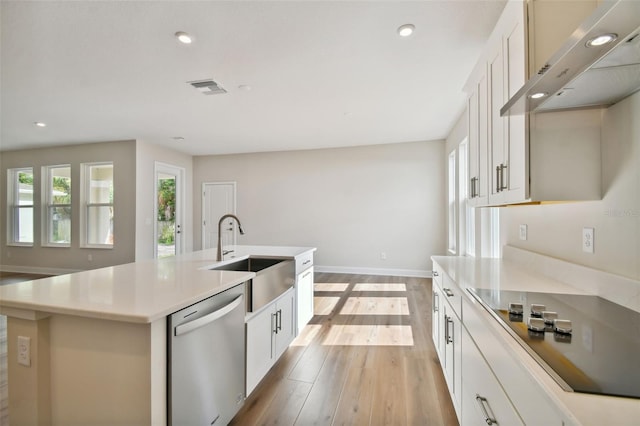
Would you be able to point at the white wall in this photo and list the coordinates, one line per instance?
(556, 229)
(63, 259)
(147, 154)
(350, 203)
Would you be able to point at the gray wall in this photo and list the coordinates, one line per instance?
(350, 203)
(556, 229)
(60, 259)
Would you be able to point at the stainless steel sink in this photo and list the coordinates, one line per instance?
(273, 277)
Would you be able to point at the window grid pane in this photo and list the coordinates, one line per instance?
(20, 197)
(59, 205)
(98, 212)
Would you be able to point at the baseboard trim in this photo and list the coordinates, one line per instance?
(37, 270)
(415, 273)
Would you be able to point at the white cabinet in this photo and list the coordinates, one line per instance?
(304, 291)
(477, 111)
(269, 333)
(446, 327)
(483, 400)
(528, 158)
(485, 381)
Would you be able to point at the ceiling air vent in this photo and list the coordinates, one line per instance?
(208, 87)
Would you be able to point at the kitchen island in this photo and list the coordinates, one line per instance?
(98, 338)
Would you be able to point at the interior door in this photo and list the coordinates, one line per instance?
(218, 199)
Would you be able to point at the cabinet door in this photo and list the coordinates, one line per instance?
(497, 123)
(304, 286)
(260, 353)
(477, 110)
(452, 356)
(285, 327)
(483, 400)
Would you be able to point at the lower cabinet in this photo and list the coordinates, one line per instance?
(483, 400)
(304, 286)
(269, 333)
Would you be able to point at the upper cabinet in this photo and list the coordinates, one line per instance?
(528, 158)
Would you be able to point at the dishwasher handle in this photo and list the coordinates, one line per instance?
(209, 318)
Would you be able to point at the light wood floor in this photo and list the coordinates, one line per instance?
(366, 358)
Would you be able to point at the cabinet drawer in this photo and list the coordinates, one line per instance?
(304, 261)
(450, 291)
(531, 401)
(483, 400)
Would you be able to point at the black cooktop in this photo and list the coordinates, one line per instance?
(596, 351)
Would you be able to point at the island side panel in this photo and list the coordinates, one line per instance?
(29, 386)
(104, 372)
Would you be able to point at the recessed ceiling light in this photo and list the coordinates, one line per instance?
(177, 138)
(601, 39)
(406, 30)
(538, 95)
(40, 124)
(184, 37)
(244, 87)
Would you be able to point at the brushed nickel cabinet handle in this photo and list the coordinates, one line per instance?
(482, 401)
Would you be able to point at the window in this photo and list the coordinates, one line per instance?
(452, 221)
(97, 200)
(57, 226)
(20, 202)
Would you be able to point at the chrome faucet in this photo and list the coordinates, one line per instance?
(232, 216)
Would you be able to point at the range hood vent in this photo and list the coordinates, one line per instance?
(208, 87)
(578, 76)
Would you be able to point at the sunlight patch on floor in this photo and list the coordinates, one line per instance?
(380, 287)
(324, 305)
(330, 286)
(369, 335)
(376, 306)
(309, 332)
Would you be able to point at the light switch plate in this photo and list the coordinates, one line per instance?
(587, 240)
(24, 351)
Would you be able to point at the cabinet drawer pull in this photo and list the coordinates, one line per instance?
(306, 262)
(448, 292)
(306, 274)
(434, 273)
(483, 403)
(436, 302)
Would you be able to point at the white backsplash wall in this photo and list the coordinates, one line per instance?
(556, 229)
(351, 203)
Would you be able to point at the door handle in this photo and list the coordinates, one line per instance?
(436, 303)
(209, 318)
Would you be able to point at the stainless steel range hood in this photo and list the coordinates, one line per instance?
(578, 76)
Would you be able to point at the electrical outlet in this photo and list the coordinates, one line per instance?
(587, 240)
(523, 232)
(383, 256)
(90, 257)
(24, 351)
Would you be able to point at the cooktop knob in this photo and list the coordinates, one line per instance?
(549, 316)
(562, 326)
(536, 310)
(516, 308)
(536, 324)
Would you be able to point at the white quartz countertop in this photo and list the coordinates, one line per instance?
(499, 274)
(139, 292)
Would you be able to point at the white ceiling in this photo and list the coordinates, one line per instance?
(322, 73)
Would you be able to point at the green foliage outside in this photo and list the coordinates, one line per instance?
(166, 210)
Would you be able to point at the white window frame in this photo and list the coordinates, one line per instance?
(452, 201)
(14, 206)
(48, 205)
(85, 197)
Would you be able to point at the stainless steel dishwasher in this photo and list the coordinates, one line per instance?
(206, 360)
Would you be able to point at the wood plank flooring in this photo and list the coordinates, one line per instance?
(366, 358)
